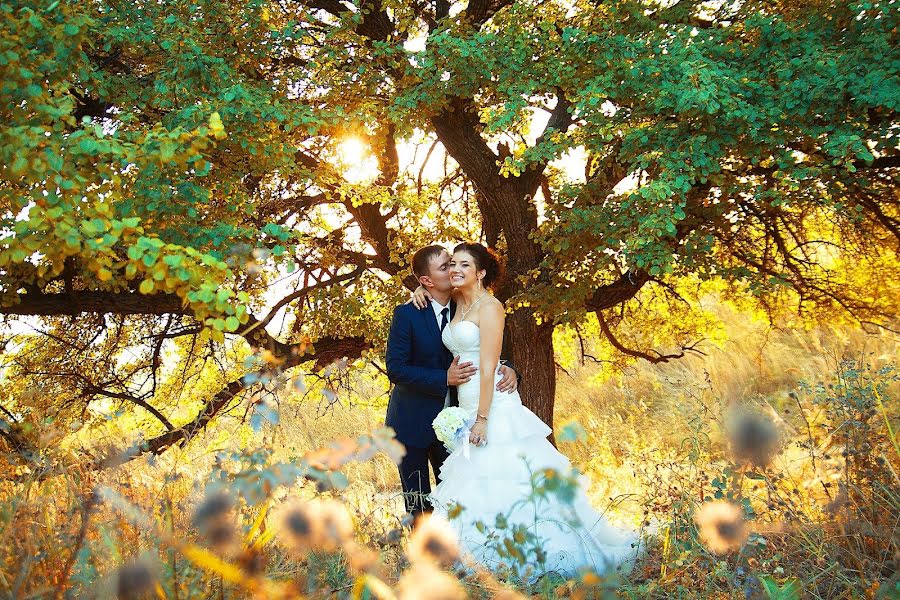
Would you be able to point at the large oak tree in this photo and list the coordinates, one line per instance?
(165, 165)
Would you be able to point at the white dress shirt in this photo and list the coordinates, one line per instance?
(437, 308)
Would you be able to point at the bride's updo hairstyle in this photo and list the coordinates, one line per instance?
(485, 259)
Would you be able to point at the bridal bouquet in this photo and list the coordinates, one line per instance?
(452, 426)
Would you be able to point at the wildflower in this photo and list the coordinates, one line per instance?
(319, 524)
(754, 438)
(590, 578)
(215, 521)
(434, 541)
(135, 580)
(362, 559)
(722, 527)
(297, 527)
(392, 537)
(252, 561)
(426, 582)
(337, 525)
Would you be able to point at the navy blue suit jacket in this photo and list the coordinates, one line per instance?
(417, 363)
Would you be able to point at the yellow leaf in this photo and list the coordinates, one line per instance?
(216, 126)
(208, 561)
(257, 524)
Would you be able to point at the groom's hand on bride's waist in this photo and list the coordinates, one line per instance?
(459, 373)
(510, 380)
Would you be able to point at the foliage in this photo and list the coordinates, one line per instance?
(182, 234)
(178, 168)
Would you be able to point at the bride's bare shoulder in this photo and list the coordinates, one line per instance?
(492, 306)
(491, 300)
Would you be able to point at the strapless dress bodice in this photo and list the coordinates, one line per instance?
(463, 339)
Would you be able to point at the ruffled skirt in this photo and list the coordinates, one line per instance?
(514, 514)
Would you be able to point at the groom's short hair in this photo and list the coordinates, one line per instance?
(421, 260)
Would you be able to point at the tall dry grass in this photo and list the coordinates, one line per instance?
(655, 448)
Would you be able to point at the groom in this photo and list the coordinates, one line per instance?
(424, 374)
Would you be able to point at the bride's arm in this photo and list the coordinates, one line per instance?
(421, 297)
(491, 319)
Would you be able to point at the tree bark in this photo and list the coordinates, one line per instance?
(531, 347)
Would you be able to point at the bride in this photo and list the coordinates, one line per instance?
(510, 482)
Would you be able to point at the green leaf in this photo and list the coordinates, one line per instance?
(173, 260)
(789, 591)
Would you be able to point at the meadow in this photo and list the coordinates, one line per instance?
(208, 210)
(765, 469)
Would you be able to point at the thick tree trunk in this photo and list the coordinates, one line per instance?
(507, 208)
(531, 348)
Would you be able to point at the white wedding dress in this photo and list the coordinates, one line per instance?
(497, 479)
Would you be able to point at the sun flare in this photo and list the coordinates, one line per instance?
(356, 161)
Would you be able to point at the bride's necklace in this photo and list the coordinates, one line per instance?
(464, 312)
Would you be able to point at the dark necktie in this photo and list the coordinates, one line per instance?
(444, 313)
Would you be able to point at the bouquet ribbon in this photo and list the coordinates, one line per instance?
(462, 437)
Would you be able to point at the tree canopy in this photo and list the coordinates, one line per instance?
(172, 179)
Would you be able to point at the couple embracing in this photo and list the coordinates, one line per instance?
(444, 349)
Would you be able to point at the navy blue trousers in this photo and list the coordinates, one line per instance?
(414, 476)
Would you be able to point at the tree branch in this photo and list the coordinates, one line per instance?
(659, 358)
(99, 391)
(560, 120)
(332, 7)
(617, 292)
(123, 303)
(882, 162)
(372, 223)
(479, 11)
(307, 289)
(326, 351)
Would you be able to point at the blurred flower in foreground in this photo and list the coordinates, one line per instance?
(215, 522)
(721, 525)
(426, 582)
(754, 438)
(317, 524)
(136, 580)
(361, 558)
(433, 540)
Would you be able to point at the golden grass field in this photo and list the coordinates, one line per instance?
(819, 521)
